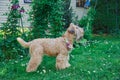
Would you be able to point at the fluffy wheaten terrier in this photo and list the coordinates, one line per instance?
(58, 47)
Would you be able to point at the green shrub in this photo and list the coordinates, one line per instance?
(107, 19)
(87, 23)
(47, 18)
(68, 15)
(9, 46)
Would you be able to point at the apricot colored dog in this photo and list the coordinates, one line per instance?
(58, 47)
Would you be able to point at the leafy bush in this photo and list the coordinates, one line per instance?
(68, 16)
(87, 22)
(107, 19)
(47, 17)
(9, 46)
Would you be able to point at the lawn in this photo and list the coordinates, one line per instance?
(98, 59)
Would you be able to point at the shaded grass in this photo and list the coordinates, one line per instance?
(99, 59)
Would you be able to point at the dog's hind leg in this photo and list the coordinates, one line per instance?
(35, 60)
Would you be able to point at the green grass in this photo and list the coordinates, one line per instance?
(99, 59)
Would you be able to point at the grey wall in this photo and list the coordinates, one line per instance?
(4, 4)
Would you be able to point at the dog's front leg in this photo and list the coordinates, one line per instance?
(67, 61)
(62, 61)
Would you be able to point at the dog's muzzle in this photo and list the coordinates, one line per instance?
(79, 33)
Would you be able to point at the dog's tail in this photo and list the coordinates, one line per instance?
(23, 43)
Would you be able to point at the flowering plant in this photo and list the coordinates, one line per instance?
(15, 6)
(22, 10)
(10, 30)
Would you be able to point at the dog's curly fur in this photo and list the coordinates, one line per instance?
(52, 47)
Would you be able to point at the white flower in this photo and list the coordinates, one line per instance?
(108, 55)
(94, 71)
(89, 72)
(101, 69)
(104, 64)
(16, 61)
(38, 71)
(22, 65)
(49, 70)
(44, 71)
(21, 56)
(106, 42)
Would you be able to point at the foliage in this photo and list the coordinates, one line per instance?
(107, 19)
(87, 22)
(98, 59)
(9, 46)
(47, 17)
(68, 15)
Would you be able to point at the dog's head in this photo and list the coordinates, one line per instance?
(77, 31)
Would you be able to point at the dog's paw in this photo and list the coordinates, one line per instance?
(30, 69)
(68, 65)
(62, 66)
